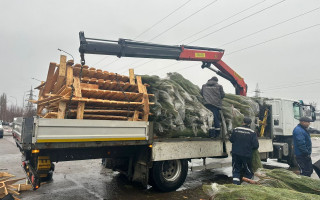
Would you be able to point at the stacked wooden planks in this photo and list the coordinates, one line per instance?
(89, 93)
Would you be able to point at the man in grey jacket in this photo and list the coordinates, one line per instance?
(213, 94)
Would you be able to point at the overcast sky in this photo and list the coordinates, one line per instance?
(272, 43)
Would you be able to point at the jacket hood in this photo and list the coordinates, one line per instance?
(211, 82)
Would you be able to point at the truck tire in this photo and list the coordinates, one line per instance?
(168, 175)
(48, 178)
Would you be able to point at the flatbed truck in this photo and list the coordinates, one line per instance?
(131, 147)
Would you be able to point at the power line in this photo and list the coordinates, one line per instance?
(270, 40)
(273, 39)
(131, 64)
(297, 85)
(139, 65)
(100, 60)
(264, 43)
(286, 84)
(188, 67)
(237, 21)
(201, 10)
(164, 67)
(116, 60)
(271, 26)
(162, 19)
(222, 21)
(184, 19)
(150, 28)
(178, 24)
(293, 84)
(138, 61)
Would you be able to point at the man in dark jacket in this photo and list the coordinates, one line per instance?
(213, 94)
(303, 146)
(243, 140)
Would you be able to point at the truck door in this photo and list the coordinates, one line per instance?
(289, 121)
(277, 121)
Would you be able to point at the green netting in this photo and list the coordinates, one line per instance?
(179, 109)
(271, 184)
(257, 192)
(256, 161)
(296, 182)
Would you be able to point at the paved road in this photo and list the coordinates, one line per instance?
(89, 180)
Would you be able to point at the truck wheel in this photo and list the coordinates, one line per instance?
(169, 175)
(48, 177)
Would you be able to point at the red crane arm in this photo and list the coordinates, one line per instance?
(129, 48)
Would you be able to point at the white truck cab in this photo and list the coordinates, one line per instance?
(285, 115)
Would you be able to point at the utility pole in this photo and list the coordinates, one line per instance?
(30, 110)
(257, 91)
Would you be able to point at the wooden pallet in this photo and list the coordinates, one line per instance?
(96, 94)
(8, 186)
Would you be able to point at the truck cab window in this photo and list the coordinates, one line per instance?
(296, 111)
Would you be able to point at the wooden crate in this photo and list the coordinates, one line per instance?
(90, 93)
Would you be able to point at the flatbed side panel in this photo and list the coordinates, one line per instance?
(265, 145)
(73, 130)
(186, 149)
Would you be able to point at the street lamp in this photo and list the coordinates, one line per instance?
(15, 99)
(35, 79)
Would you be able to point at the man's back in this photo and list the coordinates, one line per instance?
(243, 140)
(212, 93)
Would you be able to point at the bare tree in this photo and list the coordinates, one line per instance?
(14, 111)
(8, 113)
(3, 107)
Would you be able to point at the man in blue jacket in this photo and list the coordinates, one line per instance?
(303, 146)
(243, 140)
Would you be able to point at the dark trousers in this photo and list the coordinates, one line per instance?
(305, 165)
(241, 164)
(216, 118)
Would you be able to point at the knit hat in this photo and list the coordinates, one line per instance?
(247, 120)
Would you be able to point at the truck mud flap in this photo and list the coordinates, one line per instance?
(32, 177)
(316, 167)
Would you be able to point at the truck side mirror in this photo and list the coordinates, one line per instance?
(313, 114)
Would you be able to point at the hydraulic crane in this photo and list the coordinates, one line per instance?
(130, 48)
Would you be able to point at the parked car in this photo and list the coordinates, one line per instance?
(312, 130)
(1, 130)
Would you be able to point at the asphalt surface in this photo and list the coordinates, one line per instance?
(87, 179)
